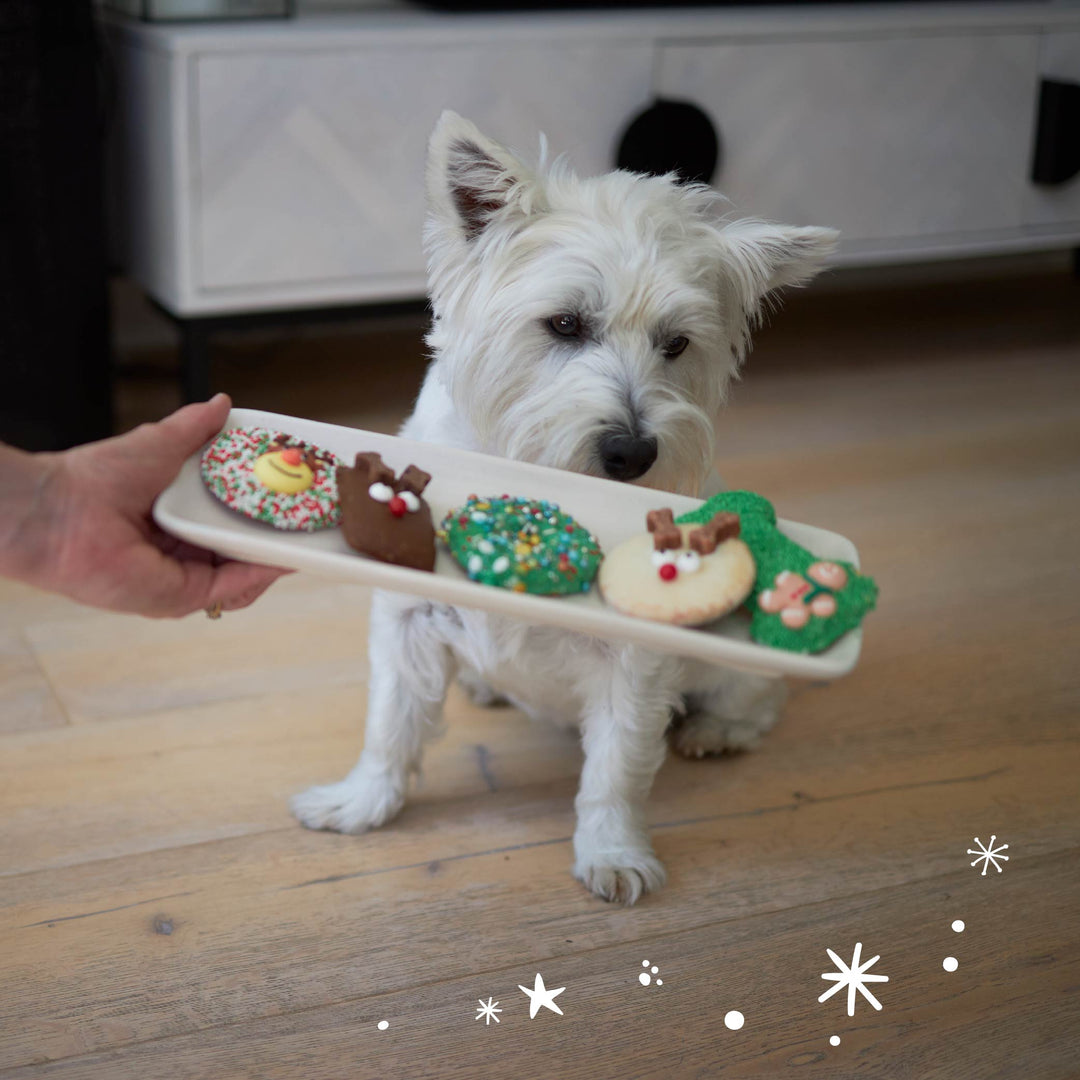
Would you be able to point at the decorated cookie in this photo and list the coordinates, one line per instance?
(799, 602)
(521, 544)
(273, 477)
(385, 517)
(687, 575)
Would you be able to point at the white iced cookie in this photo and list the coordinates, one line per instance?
(670, 575)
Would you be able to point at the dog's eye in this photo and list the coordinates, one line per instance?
(566, 325)
(674, 347)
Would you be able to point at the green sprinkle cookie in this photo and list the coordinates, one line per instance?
(522, 544)
(799, 602)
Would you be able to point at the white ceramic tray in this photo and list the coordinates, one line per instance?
(611, 510)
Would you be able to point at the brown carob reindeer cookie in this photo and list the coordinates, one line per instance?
(688, 575)
(385, 517)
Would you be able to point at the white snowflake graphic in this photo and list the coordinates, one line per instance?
(988, 854)
(854, 978)
(487, 1011)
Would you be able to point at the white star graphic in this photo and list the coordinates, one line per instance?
(988, 854)
(541, 995)
(854, 978)
(487, 1011)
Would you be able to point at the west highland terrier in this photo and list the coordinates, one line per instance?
(592, 325)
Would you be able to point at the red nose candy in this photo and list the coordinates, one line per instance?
(669, 571)
(398, 507)
(292, 456)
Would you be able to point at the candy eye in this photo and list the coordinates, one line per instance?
(664, 558)
(412, 503)
(688, 562)
(565, 324)
(675, 347)
(381, 492)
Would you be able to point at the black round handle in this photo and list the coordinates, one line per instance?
(671, 136)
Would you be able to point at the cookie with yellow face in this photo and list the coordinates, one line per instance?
(687, 575)
(273, 477)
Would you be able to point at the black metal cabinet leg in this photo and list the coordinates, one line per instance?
(194, 360)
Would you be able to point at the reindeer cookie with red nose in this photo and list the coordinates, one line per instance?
(383, 515)
(687, 575)
(273, 477)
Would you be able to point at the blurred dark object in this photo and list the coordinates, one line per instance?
(1057, 133)
(54, 328)
(586, 5)
(203, 10)
(671, 136)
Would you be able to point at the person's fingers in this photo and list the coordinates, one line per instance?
(183, 432)
(163, 587)
(236, 584)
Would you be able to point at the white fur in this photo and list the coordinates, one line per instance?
(641, 260)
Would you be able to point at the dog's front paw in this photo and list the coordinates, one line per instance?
(623, 877)
(699, 735)
(731, 721)
(358, 803)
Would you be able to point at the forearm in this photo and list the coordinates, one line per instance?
(27, 483)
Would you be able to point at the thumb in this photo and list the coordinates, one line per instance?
(180, 434)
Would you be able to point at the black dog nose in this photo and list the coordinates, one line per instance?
(625, 456)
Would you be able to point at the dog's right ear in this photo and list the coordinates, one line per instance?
(471, 179)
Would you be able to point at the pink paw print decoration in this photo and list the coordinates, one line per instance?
(797, 599)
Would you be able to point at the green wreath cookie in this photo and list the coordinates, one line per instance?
(521, 544)
(799, 602)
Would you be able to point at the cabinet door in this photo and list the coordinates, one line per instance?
(884, 138)
(310, 165)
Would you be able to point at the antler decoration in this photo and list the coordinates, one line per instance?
(378, 472)
(666, 534)
(705, 538)
(414, 480)
(313, 459)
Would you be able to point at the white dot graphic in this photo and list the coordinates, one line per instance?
(958, 925)
(950, 963)
(383, 1025)
(645, 978)
(734, 1020)
(834, 1040)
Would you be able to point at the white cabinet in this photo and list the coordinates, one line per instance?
(888, 139)
(309, 166)
(280, 164)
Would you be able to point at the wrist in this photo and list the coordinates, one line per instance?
(28, 485)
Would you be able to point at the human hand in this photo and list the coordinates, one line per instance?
(86, 531)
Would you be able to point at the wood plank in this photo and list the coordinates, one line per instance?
(1010, 1010)
(303, 634)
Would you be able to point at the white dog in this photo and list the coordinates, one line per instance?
(591, 325)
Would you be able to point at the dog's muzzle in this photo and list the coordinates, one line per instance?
(625, 456)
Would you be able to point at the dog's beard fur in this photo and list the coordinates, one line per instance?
(639, 260)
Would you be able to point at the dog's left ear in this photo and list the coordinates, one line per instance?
(762, 256)
(758, 257)
(471, 179)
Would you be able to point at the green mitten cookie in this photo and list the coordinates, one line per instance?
(799, 602)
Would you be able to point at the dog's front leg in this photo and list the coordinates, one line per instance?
(411, 668)
(627, 710)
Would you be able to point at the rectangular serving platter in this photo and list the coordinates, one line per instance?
(612, 511)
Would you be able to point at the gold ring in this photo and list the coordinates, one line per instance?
(214, 610)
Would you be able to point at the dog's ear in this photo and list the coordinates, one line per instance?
(758, 257)
(471, 178)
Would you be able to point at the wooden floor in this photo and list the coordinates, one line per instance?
(161, 915)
